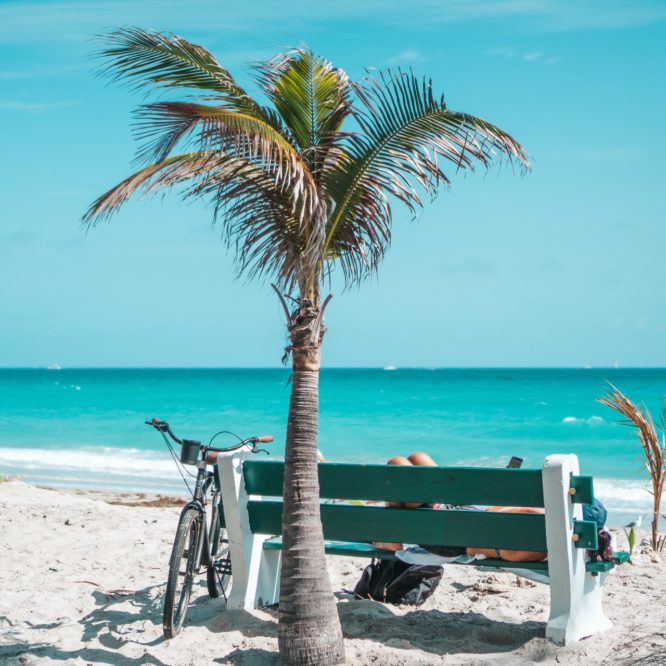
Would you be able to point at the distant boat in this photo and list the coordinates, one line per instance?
(53, 366)
(390, 367)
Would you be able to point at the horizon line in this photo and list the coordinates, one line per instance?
(387, 368)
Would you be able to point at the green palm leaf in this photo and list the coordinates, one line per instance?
(405, 133)
(142, 57)
(311, 97)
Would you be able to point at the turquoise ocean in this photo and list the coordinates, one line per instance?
(85, 427)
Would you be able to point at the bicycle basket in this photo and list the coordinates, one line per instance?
(189, 452)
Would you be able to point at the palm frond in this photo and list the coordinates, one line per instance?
(242, 136)
(311, 97)
(140, 57)
(360, 243)
(188, 165)
(162, 124)
(405, 133)
(641, 419)
(159, 130)
(257, 217)
(654, 451)
(258, 222)
(198, 168)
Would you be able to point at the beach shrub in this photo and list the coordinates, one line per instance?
(654, 452)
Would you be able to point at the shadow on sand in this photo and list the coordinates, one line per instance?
(434, 631)
(124, 617)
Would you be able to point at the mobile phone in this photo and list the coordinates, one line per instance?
(515, 462)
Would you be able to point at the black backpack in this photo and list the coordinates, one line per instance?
(396, 582)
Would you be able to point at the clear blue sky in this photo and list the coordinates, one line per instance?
(564, 267)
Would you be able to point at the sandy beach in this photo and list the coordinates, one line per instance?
(82, 576)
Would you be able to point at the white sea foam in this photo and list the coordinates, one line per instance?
(623, 494)
(97, 460)
(592, 420)
(483, 461)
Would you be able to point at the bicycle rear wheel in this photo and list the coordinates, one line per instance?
(182, 568)
(218, 576)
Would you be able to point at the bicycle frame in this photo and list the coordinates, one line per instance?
(198, 502)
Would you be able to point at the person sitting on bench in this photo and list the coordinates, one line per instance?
(595, 512)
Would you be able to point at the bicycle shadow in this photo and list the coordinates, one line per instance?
(125, 617)
(113, 623)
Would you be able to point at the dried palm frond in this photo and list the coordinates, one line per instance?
(654, 452)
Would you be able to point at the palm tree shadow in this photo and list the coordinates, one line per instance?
(249, 657)
(108, 619)
(435, 631)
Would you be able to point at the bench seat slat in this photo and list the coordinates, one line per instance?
(519, 531)
(349, 548)
(449, 485)
(363, 549)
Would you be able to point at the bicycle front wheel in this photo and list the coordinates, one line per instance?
(182, 568)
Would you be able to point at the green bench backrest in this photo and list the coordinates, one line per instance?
(450, 485)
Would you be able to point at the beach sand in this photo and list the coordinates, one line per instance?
(82, 576)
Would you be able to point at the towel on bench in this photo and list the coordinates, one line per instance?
(418, 555)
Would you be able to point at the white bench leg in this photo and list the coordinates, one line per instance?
(575, 595)
(255, 572)
(268, 585)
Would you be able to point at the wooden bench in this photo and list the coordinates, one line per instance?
(251, 512)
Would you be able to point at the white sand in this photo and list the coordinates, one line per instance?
(81, 582)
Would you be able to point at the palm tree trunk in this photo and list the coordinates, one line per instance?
(309, 628)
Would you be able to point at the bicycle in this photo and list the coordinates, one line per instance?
(198, 542)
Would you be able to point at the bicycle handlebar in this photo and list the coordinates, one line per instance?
(164, 427)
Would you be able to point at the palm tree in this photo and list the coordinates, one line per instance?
(296, 195)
